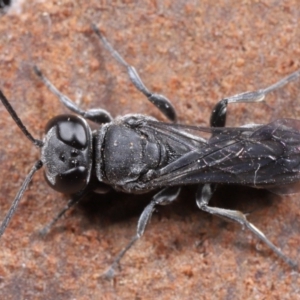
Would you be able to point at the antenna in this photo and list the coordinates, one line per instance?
(36, 166)
(20, 193)
(15, 117)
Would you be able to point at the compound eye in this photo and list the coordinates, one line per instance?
(72, 134)
(71, 181)
(71, 130)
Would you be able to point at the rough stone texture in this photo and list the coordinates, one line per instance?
(195, 53)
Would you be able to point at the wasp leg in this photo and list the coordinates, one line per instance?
(218, 115)
(76, 198)
(69, 205)
(160, 101)
(98, 115)
(163, 197)
(203, 196)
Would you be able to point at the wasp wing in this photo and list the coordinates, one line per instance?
(264, 156)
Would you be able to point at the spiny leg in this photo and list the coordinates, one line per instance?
(163, 197)
(219, 113)
(160, 101)
(218, 119)
(218, 116)
(97, 115)
(203, 196)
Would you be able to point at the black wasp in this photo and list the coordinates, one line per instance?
(136, 154)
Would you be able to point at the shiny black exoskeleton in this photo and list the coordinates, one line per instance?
(136, 154)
